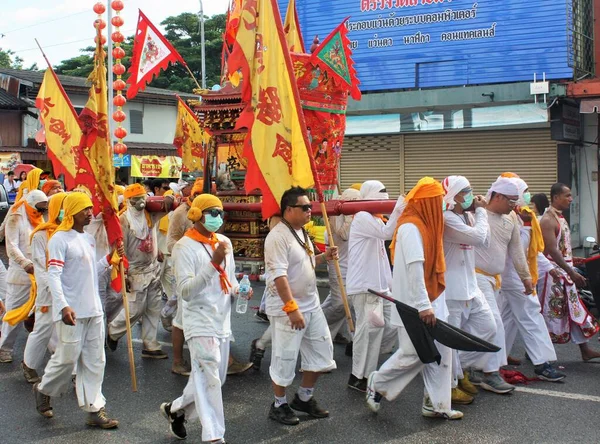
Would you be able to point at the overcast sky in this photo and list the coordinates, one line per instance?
(63, 27)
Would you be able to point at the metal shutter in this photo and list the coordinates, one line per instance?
(481, 156)
(372, 158)
(136, 121)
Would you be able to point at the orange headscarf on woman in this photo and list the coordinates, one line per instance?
(424, 209)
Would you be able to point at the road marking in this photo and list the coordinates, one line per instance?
(556, 394)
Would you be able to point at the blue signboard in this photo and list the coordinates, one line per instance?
(435, 43)
(120, 162)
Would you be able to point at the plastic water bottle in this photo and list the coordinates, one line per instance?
(242, 302)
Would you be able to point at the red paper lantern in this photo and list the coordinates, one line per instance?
(119, 100)
(99, 23)
(118, 69)
(117, 37)
(120, 148)
(102, 39)
(119, 85)
(99, 8)
(117, 21)
(118, 53)
(117, 5)
(120, 133)
(119, 116)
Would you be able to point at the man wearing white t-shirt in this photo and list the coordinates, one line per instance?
(293, 307)
(78, 316)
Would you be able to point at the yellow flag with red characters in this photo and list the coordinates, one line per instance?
(190, 139)
(291, 27)
(276, 144)
(62, 130)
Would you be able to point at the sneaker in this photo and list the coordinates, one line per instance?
(495, 383)
(466, 385)
(311, 407)
(237, 368)
(30, 374)
(154, 354)
(111, 343)
(176, 421)
(5, 357)
(373, 397)
(475, 376)
(357, 384)
(546, 372)
(183, 368)
(428, 412)
(261, 316)
(460, 397)
(348, 351)
(99, 419)
(256, 355)
(283, 415)
(42, 403)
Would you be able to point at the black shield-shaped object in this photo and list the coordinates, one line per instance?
(423, 336)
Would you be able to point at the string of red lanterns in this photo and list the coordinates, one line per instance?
(118, 69)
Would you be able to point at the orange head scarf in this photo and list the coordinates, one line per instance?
(509, 175)
(135, 190)
(424, 209)
(49, 185)
(55, 204)
(198, 189)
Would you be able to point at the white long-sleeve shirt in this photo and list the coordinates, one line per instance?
(73, 274)
(460, 239)
(18, 248)
(39, 246)
(368, 263)
(505, 239)
(510, 278)
(206, 308)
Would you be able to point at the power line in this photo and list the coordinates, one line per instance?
(44, 22)
(62, 44)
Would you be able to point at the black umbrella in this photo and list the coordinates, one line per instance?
(422, 335)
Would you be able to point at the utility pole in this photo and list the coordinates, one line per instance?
(202, 46)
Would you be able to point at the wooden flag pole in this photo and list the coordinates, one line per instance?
(192, 76)
(128, 327)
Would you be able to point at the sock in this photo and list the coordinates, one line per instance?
(260, 344)
(280, 401)
(305, 393)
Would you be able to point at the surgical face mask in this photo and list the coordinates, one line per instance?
(61, 215)
(527, 198)
(42, 182)
(444, 205)
(212, 223)
(468, 201)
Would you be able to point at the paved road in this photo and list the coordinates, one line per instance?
(540, 412)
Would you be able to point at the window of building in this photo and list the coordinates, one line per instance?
(136, 121)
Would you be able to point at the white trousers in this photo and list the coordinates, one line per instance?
(489, 362)
(16, 295)
(202, 397)
(112, 302)
(523, 314)
(40, 339)
(474, 316)
(333, 307)
(313, 343)
(81, 345)
(145, 304)
(167, 276)
(402, 367)
(368, 338)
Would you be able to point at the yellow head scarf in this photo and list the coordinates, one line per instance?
(135, 190)
(55, 204)
(201, 203)
(32, 182)
(356, 186)
(73, 204)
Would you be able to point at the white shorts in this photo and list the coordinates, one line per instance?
(313, 344)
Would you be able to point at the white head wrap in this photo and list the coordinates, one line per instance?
(350, 194)
(521, 186)
(503, 185)
(35, 197)
(370, 190)
(454, 185)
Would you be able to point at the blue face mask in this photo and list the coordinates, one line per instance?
(527, 198)
(212, 223)
(468, 201)
(42, 182)
(61, 215)
(444, 206)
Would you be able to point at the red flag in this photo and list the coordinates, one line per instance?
(151, 53)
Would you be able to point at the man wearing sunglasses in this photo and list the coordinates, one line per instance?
(490, 263)
(298, 323)
(160, 186)
(23, 218)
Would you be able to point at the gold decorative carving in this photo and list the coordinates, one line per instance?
(250, 248)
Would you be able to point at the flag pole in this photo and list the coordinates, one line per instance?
(128, 327)
(43, 53)
(192, 75)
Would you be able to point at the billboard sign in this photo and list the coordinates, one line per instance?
(401, 44)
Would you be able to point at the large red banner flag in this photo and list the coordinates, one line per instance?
(276, 144)
(151, 53)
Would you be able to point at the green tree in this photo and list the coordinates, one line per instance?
(9, 60)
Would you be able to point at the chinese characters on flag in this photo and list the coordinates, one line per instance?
(190, 139)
